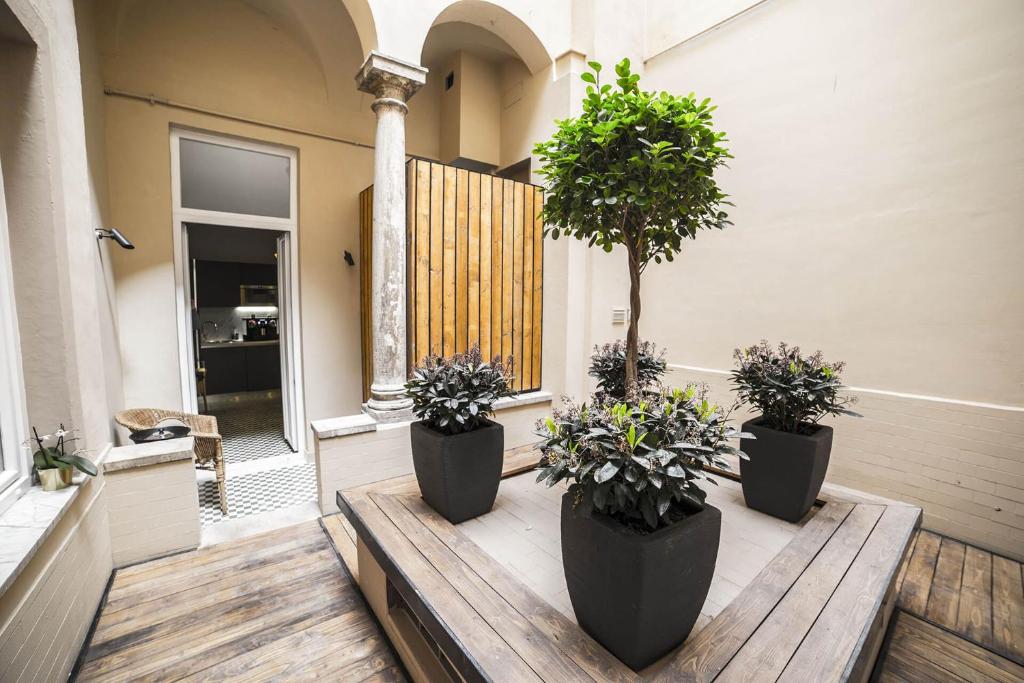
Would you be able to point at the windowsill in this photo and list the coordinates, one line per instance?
(28, 523)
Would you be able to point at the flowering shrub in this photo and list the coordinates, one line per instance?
(792, 392)
(608, 365)
(641, 463)
(457, 394)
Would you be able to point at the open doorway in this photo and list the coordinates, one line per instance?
(235, 232)
(237, 314)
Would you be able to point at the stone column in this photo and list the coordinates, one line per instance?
(392, 82)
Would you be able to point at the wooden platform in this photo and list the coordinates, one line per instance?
(278, 606)
(817, 611)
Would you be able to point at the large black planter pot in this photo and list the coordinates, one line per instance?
(638, 595)
(785, 470)
(459, 474)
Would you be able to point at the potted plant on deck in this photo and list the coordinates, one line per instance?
(639, 541)
(608, 366)
(52, 462)
(788, 458)
(457, 451)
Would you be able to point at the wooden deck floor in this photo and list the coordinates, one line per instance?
(278, 606)
(815, 612)
(960, 616)
(522, 532)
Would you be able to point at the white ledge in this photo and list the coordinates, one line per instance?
(526, 399)
(147, 454)
(333, 427)
(29, 521)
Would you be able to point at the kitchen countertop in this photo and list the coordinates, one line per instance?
(237, 344)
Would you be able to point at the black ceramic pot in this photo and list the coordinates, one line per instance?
(785, 471)
(639, 595)
(458, 474)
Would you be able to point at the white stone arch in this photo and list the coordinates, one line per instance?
(502, 23)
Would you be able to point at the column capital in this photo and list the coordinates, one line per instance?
(390, 78)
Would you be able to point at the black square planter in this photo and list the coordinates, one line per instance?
(639, 595)
(785, 471)
(458, 474)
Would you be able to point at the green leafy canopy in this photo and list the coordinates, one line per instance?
(635, 167)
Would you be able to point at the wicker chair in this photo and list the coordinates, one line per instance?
(208, 450)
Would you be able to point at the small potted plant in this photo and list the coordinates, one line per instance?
(457, 451)
(53, 464)
(608, 366)
(639, 540)
(789, 452)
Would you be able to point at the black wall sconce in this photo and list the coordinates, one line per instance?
(348, 258)
(114, 234)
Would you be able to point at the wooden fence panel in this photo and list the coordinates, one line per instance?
(474, 268)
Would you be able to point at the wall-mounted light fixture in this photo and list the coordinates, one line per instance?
(348, 258)
(256, 309)
(114, 234)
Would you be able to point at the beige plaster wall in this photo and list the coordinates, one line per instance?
(62, 290)
(238, 62)
(878, 163)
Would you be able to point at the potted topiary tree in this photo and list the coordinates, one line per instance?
(635, 169)
(608, 366)
(456, 450)
(639, 541)
(789, 452)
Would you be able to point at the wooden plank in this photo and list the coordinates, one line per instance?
(423, 275)
(944, 600)
(526, 352)
(497, 265)
(927, 652)
(518, 194)
(906, 563)
(703, 656)
(437, 248)
(461, 259)
(485, 267)
(1008, 607)
(448, 259)
(769, 649)
(473, 256)
(917, 582)
(573, 641)
(841, 630)
(476, 651)
(974, 615)
(529, 643)
(507, 267)
(538, 287)
(410, 263)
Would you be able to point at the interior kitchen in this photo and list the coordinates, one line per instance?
(237, 342)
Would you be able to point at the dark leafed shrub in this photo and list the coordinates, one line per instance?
(792, 392)
(639, 463)
(456, 394)
(608, 365)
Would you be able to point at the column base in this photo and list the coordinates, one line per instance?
(389, 415)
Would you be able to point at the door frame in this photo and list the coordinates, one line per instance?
(183, 279)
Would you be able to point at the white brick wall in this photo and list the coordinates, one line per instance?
(154, 511)
(963, 464)
(46, 613)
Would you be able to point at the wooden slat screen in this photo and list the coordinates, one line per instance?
(475, 268)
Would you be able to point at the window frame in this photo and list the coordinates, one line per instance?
(15, 459)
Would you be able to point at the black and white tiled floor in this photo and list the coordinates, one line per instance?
(263, 474)
(251, 494)
(252, 427)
